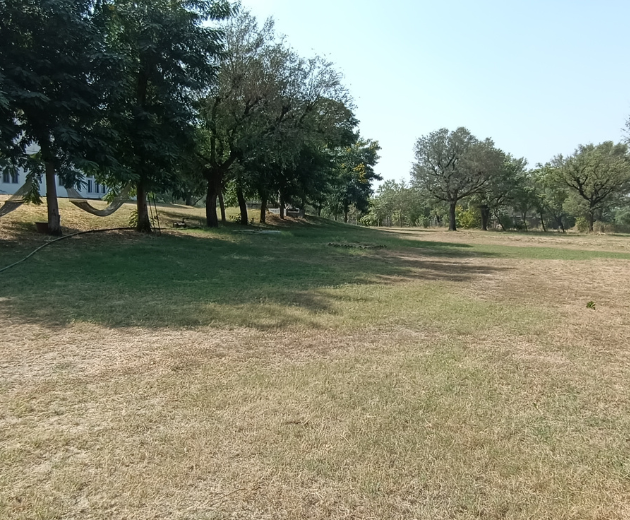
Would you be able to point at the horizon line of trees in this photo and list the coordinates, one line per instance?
(195, 100)
(189, 98)
(462, 181)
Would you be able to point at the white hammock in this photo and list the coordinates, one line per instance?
(16, 200)
(115, 205)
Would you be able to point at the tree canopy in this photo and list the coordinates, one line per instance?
(182, 97)
(169, 58)
(452, 166)
(54, 75)
(597, 173)
(198, 100)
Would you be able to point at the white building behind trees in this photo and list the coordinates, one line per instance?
(11, 181)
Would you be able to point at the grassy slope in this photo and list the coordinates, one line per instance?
(215, 374)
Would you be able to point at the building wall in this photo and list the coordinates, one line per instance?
(9, 184)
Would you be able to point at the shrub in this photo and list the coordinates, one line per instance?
(425, 222)
(519, 225)
(581, 223)
(505, 222)
(603, 227)
(622, 217)
(369, 220)
(469, 218)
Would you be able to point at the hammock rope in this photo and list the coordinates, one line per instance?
(16, 200)
(82, 203)
(154, 215)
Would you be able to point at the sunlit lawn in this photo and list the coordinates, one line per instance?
(220, 374)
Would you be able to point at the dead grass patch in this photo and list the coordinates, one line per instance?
(380, 424)
(436, 385)
(571, 240)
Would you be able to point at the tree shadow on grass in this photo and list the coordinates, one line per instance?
(210, 279)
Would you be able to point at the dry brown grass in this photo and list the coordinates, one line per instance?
(570, 240)
(470, 387)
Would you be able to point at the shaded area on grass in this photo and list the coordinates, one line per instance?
(223, 278)
(219, 277)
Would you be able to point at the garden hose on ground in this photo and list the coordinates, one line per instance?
(62, 238)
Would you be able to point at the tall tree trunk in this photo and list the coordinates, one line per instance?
(54, 219)
(591, 220)
(497, 216)
(319, 211)
(485, 217)
(242, 204)
(222, 207)
(561, 225)
(345, 215)
(189, 200)
(542, 222)
(282, 206)
(144, 223)
(263, 209)
(211, 204)
(452, 223)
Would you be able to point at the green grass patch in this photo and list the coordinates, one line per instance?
(228, 278)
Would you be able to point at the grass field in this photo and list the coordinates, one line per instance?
(219, 374)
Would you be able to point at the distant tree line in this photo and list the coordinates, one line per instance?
(461, 181)
(193, 99)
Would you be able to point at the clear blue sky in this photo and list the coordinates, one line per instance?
(538, 77)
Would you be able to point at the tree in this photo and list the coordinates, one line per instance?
(507, 186)
(302, 137)
(398, 203)
(271, 121)
(524, 197)
(53, 77)
(355, 176)
(241, 104)
(170, 56)
(597, 173)
(551, 196)
(454, 165)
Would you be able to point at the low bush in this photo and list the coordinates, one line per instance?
(604, 227)
(469, 218)
(581, 224)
